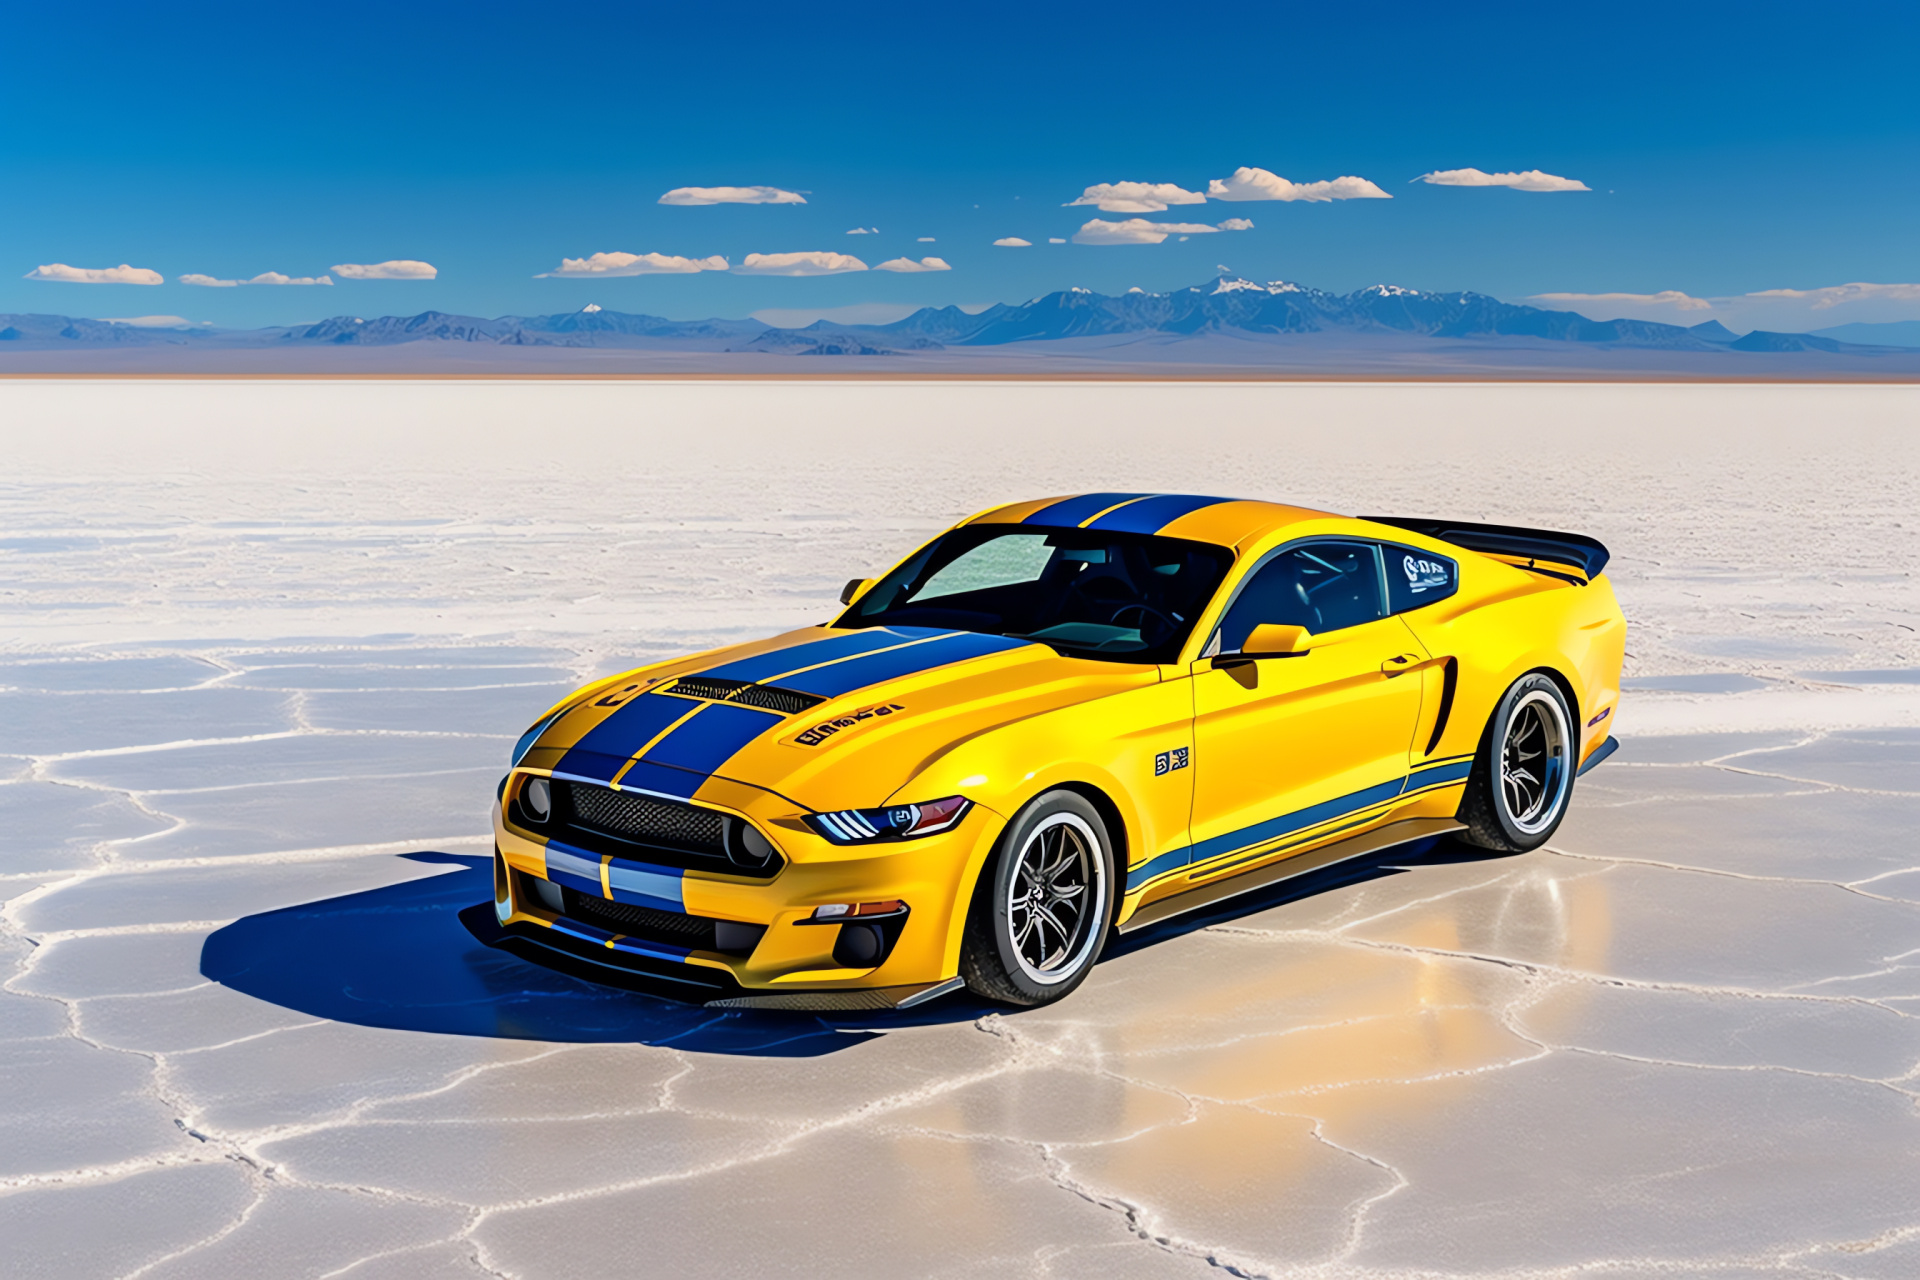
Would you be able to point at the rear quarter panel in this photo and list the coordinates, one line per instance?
(1505, 622)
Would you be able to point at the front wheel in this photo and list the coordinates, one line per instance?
(1040, 914)
(1522, 777)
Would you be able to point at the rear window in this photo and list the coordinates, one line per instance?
(1416, 579)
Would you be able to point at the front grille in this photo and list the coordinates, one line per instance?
(645, 828)
(645, 820)
(787, 702)
(641, 922)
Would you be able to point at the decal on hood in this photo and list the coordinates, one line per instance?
(819, 733)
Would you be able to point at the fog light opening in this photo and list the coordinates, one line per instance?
(746, 847)
(537, 799)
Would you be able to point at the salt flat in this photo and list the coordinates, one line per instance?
(266, 645)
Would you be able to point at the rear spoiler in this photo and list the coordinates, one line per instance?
(1584, 553)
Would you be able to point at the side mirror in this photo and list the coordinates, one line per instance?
(854, 589)
(1277, 640)
(1270, 640)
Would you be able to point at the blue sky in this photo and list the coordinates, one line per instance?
(1729, 149)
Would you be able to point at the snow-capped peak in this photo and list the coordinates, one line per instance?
(1237, 286)
(1389, 291)
(590, 308)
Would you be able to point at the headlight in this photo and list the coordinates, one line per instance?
(895, 822)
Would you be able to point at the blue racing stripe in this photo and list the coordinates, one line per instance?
(646, 885)
(621, 734)
(765, 666)
(1158, 867)
(844, 677)
(1266, 832)
(573, 868)
(640, 883)
(1071, 511)
(1435, 774)
(658, 950)
(1153, 514)
(707, 741)
(1299, 820)
(618, 942)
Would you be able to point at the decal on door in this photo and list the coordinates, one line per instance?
(1168, 761)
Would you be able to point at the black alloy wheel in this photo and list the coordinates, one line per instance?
(1043, 906)
(1523, 775)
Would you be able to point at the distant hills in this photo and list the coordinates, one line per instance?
(1223, 323)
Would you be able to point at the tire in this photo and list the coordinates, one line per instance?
(1023, 950)
(1522, 777)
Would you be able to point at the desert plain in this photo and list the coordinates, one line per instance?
(265, 646)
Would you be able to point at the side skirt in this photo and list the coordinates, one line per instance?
(1212, 891)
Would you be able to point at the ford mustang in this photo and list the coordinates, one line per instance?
(1058, 720)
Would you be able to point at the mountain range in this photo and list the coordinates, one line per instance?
(1236, 321)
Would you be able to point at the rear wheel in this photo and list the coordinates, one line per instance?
(1040, 914)
(1522, 777)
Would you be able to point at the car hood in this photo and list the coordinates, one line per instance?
(847, 717)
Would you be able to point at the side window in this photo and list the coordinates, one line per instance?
(1418, 578)
(1322, 586)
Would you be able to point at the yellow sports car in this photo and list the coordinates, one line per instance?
(1056, 720)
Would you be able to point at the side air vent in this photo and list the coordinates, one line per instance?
(768, 698)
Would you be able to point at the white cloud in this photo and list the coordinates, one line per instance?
(1836, 295)
(122, 274)
(1781, 310)
(864, 231)
(924, 240)
(799, 264)
(1135, 197)
(908, 264)
(631, 264)
(265, 277)
(1141, 231)
(1531, 180)
(731, 195)
(158, 322)
(1012, 242)
(1258, 184)
(394, 269)
(1614, 306)
(1056, 239)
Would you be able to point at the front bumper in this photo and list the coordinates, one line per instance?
(742, 941)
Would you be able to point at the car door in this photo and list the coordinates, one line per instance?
(1288, 749)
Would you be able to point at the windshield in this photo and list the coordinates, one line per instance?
(1122, 597)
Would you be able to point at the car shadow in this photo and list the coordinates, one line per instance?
(402, 958)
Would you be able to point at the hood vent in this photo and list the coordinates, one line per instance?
(788, 702)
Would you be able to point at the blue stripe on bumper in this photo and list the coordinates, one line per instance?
(640, 883)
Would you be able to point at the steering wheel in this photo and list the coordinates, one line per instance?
(1172, 624)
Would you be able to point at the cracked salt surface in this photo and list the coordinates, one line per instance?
(261, 681)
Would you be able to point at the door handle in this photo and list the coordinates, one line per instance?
(1398, 664)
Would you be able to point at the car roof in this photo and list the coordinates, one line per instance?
(1225, 521)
